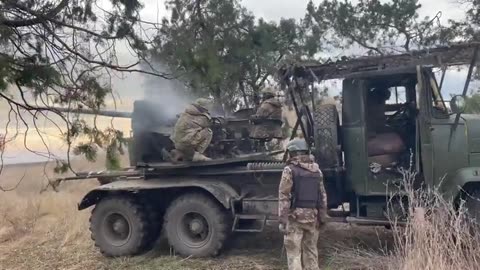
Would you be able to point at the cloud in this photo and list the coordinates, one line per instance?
(450, 9)
(276, 9)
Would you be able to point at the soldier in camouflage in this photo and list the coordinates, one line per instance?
(192, 134)
(268, 118)
(302, 207)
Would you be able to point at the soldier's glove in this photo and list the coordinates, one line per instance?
(282, 227)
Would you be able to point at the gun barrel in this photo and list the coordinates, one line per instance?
(93, 112)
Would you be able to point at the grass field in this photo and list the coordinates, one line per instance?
(45, 231)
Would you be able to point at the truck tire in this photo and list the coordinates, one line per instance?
(196, 225)
(119, 227)
(326, 135)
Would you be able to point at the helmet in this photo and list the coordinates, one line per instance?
(268, 91)
(204, 103)
(297, 144)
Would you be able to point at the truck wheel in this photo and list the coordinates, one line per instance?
(119, 227)
(326, 135)
(196, 226)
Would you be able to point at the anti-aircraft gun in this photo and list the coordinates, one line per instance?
(152, 126)
(109, 113)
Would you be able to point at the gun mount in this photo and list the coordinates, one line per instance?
(152, 126)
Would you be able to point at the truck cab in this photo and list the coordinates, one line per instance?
(412, 128)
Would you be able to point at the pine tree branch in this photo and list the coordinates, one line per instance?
(29, 22)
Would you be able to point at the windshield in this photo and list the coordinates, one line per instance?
(437, 99)
(438, 104)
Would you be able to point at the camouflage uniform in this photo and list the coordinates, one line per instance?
(2, 143)
(302, 224)
(270, 109)
(192, 134)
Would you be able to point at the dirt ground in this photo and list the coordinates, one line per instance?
(45, 231)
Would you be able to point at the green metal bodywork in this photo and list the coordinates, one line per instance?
(448, 154)
(456, 165)
(354, 137)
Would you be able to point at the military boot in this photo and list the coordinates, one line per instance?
(166, 156)
(176, 156)
(200, 157)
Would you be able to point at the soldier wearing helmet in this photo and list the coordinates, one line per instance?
(267, 121)
(192, 133)
(302, 206)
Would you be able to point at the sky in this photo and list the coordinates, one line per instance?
(276, 9)
(133, 86)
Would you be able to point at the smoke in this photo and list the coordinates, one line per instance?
(172, 96)
(160, 101)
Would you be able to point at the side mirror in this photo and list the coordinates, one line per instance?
(458, 104)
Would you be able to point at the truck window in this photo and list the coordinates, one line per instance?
(397, 99)
(437, 99)
(438, 104)
(398, 95)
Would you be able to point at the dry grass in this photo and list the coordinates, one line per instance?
(438, 235)
(45, 231)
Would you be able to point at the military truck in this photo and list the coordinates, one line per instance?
(199, 204)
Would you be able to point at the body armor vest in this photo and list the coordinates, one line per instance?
(306, 188)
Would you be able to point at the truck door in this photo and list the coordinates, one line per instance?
(449, 140)
(424, 125)
(354, 136)
(443, 146)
